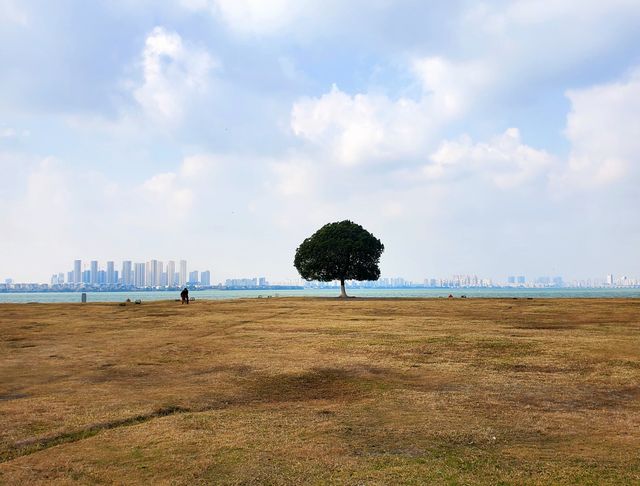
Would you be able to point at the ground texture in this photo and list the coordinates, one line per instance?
(320, 391)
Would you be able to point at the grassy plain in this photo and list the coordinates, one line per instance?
(321, 391)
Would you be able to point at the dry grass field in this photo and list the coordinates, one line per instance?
(321, 391)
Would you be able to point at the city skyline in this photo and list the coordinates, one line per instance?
(149, 273)
(153, 273)
(494, 138)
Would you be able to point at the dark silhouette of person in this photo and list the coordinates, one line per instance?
(184, 296)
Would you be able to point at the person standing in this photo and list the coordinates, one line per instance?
(184, 296)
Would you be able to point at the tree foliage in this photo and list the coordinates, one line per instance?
(339, 251)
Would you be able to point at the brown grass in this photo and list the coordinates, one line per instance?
(293, 391)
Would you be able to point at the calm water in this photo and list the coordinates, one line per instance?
(240, 294)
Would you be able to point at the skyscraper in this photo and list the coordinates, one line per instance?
(171, 273)
(183, 273)
(193, 277)
(94, 272)
(153, 272)
(148, 275)
(205, 278)
(77, 271)
(110, 273)
(159, 272)
(139, 275)
(126, 273)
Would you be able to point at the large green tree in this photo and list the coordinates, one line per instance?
(339, 251)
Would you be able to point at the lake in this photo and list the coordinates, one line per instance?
(44, 297)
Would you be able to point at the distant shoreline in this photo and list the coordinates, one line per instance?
(233, 294)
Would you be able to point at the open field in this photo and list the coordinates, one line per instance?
(316, 391)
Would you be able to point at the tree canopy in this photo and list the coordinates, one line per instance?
(339, 251)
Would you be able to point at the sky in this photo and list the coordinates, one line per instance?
(493, 138)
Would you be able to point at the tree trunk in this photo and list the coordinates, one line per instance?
(343, 292)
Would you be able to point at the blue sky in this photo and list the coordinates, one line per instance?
(493, 138)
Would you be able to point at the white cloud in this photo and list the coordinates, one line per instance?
(537, 39)
(362, 128)
(261, 16)
(174, 80)
(370, 127)
(603, 128)
(8, 133)
(47, 187)
(44, 212)
(195, 166)
(452, 87)
(505, 161)
(537, 12)
(254, 16)
(298, 18)
(12, 133)
(167, 191)
(296, 177)
(13, 12)
(173, 74)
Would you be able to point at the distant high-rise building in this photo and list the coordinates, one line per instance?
(151, 271)
(159, 272)
(102, 277)
(193, 277)
(94, 272)
(511, 279)
(171, 273)
(70, 277)
(154, 273)
(126, 273)
(521, 279)
(205, 278)
(262, 282)
(86, 276)
(77, 271)
(60, 278)
(111, 273)
(610, 279)
(147, 272)
(183, 273)
(139, 275)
